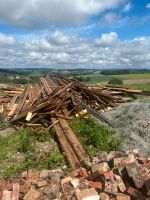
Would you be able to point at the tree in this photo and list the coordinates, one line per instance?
(115, 81)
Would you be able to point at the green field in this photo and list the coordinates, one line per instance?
(132, 76)
(141, 87)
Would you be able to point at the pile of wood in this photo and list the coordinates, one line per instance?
(52, 101)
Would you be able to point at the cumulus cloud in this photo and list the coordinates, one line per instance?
(39, 13)
(6, 40)
(105, 51)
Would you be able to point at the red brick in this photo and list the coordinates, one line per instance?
(121, 196)
(96, 185)
(83, 173)
(93, 175)
(74, 173)
(109, 175)
(104, 196)
(25, 187)
(6, 195)
(6, 186)
(15, 193)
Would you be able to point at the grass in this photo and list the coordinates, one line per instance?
(29, 155)
(95, 137)
(141, 86)
(19, 152)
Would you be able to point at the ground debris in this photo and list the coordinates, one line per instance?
(119, 182)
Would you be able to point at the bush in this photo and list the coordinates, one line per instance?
(115, 81)
(95, 137)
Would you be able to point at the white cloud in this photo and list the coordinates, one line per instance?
(106, 51)
(6, 40)
(148, 6)
(40, 13)
(127, 7)
(107, 39)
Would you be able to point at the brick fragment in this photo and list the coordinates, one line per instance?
(109, 175)
(83, 173)
(87, 194)
(6, 195)
(42, 183)
(101, 167)
(74, 173)
(96, 185)
(15, 192)
(121, 196)
(32, 194)
(111, 187)
(104, 196)
(24, 174)
(121, 184)
(75, 182)
(25, 187)
(93, 175)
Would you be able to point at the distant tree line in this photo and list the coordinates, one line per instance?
(124, 71)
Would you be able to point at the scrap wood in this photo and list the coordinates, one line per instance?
(54, 100)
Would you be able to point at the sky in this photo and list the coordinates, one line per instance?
(65, 34)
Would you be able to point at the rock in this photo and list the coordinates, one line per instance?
(32, 194)
(133, 120)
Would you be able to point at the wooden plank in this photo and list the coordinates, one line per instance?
(22, 100)
(70, 155)
(72, 139)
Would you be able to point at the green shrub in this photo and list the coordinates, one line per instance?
(115, 81)
(95, 137)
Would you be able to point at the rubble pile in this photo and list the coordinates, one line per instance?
(52, 101)
(112, 176)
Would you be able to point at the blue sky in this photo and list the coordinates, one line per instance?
(79, 33)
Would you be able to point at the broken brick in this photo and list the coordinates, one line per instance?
(15, 192)
(101, 167)
(87, 194)
(6, 195)
(74, 173)
(83, 173)
(121, 196)
(104, 196)
(96, 185)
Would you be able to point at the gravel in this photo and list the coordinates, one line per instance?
(133, 121)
